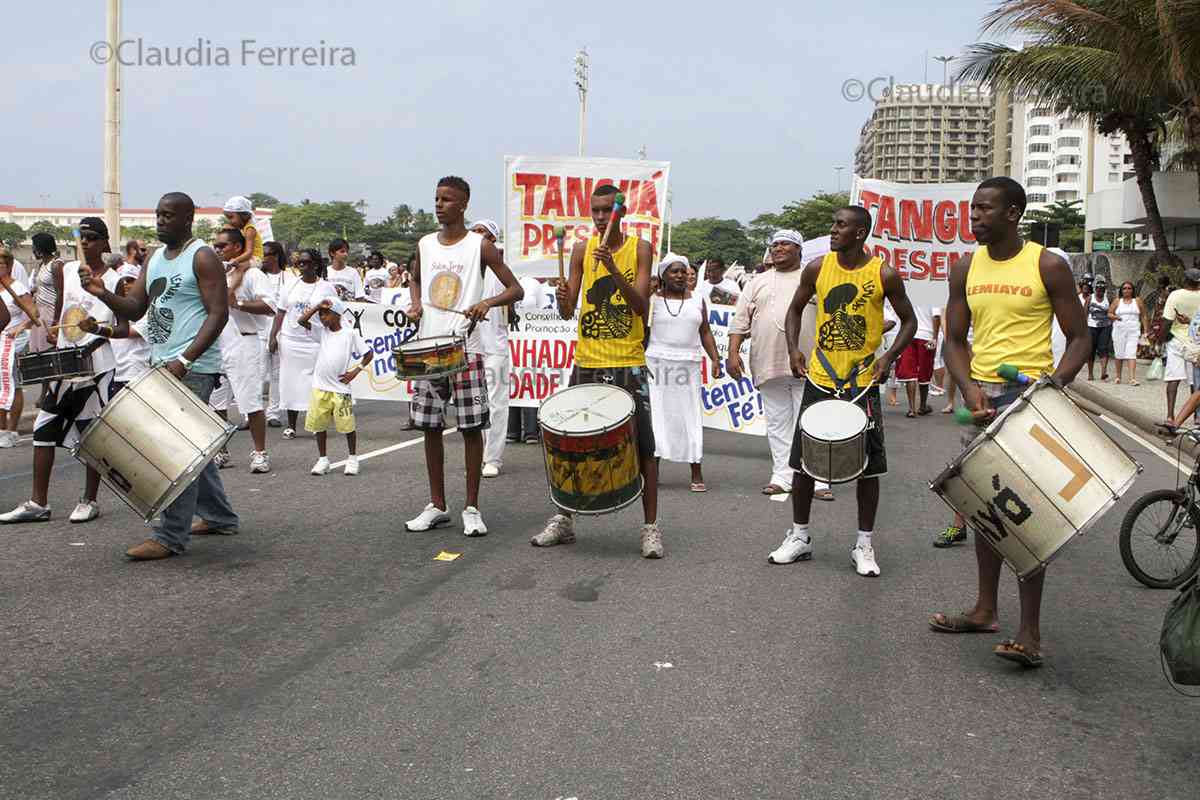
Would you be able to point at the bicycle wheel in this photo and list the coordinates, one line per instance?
(1160, 539)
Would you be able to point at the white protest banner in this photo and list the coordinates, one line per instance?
(920, 229)
(545, 191)
(384, 327)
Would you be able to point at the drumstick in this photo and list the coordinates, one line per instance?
(560, 233)
(470, 328)
(614, 222)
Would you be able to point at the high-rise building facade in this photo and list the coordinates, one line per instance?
(928, 133)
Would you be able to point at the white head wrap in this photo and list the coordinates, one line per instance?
(788, 235)
(672, 258)
(489, 225)
(239, 204)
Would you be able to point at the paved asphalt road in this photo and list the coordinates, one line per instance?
(323, 653)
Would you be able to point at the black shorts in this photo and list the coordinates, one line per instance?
(634, 380)
(1101, 341)
(869, 402)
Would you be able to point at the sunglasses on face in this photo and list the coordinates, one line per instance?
(220, 246)
(90, 237)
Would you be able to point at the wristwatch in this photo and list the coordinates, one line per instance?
(186, 364)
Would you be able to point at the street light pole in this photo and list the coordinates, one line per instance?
(581, 83)
(945, 68)
(838, 170)
(112, 130)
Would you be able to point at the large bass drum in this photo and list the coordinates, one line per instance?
(152, 440)
(1041, 474)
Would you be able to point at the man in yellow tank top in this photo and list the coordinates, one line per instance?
(1009, 290)
(612, 287)
(850, 287)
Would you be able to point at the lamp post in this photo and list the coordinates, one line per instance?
(945, 67)
(581, 83)
(112, 129)
(838, 171)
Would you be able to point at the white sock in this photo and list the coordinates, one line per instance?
(864, 539)
(801, 531)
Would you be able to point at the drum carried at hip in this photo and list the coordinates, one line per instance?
(430, 358)
(152, 440)
(589, 439)
(1041, 474)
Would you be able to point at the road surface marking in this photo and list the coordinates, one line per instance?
(391, 448)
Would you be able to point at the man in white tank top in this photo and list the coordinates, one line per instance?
(447, 290)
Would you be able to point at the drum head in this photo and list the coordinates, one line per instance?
(430, 344)
(833, 420)
(71, 317)
(585, 409)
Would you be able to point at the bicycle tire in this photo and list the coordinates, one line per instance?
(1178, 498)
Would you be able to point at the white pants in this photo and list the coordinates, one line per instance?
(242, 382)
(497, 369)
(271, 368)
(781, 403)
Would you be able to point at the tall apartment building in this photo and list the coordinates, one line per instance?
(1055, 156)
(928, 133)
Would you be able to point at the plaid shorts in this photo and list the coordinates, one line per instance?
(467, 391)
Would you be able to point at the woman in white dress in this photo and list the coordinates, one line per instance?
(297, 347)
(1129, 325)
(23, 317)
(679, 335)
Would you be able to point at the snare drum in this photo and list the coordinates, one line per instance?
(55, 365)
(1043, 472)
(152, 440)
(431, 357)
(833, 441)
(589, 438)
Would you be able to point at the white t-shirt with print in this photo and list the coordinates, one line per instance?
(336, 356)
(296, 297)
(75, 297)
(347, 281)
(375, 280)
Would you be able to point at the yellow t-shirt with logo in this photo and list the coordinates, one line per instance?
(258, 241)
(1011, 313)
(849, 320)
(610, 333)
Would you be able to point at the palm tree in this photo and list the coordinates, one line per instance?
(1088, 56)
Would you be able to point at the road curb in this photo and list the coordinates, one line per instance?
(1098, 401)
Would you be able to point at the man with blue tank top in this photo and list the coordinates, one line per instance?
(184, 290)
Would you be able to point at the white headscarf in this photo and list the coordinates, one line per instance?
(239, 204)
(489, 225)
(672, 258)
(788, 235)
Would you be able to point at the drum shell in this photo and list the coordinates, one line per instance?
(55, 365)
(840, 460)
(430, 358)
(593, 472)
(152, 440)
(1041, 474)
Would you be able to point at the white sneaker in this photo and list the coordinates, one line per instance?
(9, 438)
(28, 511)
(473, 522)
(428, 519)
(351, 466)
(86, 511)
(260, 462)
(794, 548)
(289, 433)
(321, 467)
(864, 561)
(223, 459)
(935, 390)
(490, 470)
(559, 530)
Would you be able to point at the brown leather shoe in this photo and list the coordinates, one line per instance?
(202, 528)
(148, 550)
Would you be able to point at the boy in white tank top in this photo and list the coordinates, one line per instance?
(447, 299)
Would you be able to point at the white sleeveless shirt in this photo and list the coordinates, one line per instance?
(675, 328)
(451, 277)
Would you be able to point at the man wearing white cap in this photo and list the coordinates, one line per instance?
(239, 212)
(497, 361)
(761, 316)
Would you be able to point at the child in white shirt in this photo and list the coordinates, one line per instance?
(336, 367)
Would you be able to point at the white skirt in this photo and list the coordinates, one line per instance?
(675, 410)
(297, 359)
(1125, 339)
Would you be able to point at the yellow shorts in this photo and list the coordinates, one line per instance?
(324, 407)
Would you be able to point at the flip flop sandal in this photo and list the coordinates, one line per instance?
(924, 411)
(772, 489)
(910, 415)
(1011, 650)
(699, 487)
(961, 623)
(823, 494)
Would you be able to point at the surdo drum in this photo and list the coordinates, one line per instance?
(589, 439)
(152, 440)
(1042, 473)
(834, 441)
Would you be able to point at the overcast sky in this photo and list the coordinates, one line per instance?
(744, 99)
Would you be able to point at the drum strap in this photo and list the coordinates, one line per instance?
(850, 381)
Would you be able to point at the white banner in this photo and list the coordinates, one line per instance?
(543, 354)
(542, 192)
(920, 229)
